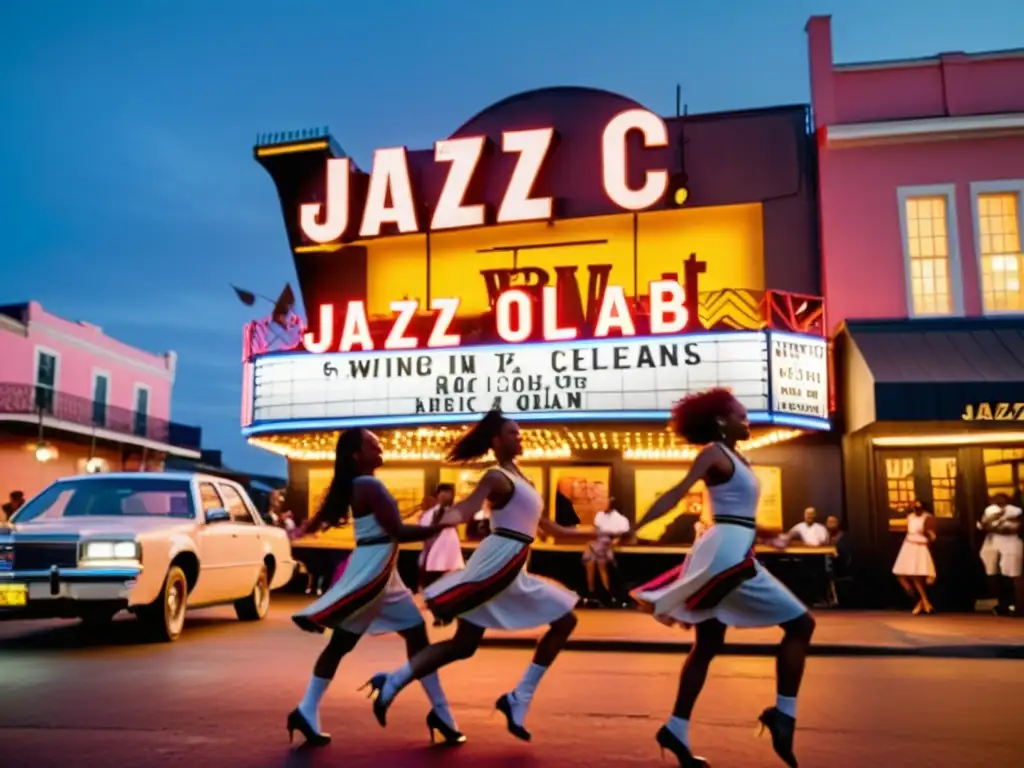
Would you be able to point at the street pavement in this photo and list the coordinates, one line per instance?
(839, 633)
(219, 697)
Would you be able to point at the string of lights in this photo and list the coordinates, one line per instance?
(431, 444)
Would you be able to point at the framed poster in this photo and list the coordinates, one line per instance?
(584, 489)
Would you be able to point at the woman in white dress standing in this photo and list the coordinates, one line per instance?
(721, 584)
(494, 591)
(369, 597)
(914, 566)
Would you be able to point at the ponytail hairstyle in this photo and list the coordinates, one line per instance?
(335, 509)
(476, 442)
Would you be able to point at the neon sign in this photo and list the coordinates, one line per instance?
(390, 200)
(514, 318)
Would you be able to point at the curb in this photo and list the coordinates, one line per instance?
(833, 650)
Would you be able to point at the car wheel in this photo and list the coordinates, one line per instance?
(257, 604)
(164, 618)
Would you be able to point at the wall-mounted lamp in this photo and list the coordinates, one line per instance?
(45, 452)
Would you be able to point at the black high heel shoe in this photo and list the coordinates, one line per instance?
(504, 706)
(782, 728)
(668, 741)
(449, 736)
(380, 707)
(298, 722)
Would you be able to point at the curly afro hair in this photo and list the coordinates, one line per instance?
(695, 417)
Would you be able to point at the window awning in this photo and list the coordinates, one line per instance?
(959, 370)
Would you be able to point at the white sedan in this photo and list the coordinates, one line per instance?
(153, 543)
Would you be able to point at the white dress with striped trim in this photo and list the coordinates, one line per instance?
(494, 590)
(370, 597)
(727, 547)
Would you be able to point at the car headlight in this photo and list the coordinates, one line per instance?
(110, 550)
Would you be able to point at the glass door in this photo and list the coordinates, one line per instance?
(934, 479)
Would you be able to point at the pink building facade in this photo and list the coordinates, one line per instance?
(92, 402)
(921, 186)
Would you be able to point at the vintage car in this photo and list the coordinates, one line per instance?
(153, 543)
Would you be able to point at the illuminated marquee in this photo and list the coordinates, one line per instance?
(390, 199)
(780, 377)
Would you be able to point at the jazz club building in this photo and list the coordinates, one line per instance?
(577, 260)
(922, 198)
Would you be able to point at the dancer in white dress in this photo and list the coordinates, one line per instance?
(914, 565)
(720, 583)
(370, 597)
(494, 591)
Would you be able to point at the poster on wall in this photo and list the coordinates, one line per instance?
(578, 493)
(780, 378)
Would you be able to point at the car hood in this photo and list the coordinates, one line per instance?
(91, 527)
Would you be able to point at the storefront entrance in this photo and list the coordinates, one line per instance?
(938, 480)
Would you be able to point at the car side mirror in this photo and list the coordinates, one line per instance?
(217, 515)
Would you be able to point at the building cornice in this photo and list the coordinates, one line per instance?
(925, 129)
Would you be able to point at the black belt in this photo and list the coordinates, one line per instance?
(505, 533)
(743, 522)
(373, 541)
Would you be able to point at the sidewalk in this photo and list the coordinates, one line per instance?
(839, 633)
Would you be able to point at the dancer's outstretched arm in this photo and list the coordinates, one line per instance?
(385, 509)
(671, 498)
(551, 528)
(463, 511)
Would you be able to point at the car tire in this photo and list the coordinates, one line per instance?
(256, 605)
(164, 618)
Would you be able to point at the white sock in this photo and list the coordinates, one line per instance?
(522, 694)
(786, 705)
(396, 681)
(432, 685)
(679, 728)
(309, 707)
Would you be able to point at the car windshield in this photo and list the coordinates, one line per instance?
(117, 497)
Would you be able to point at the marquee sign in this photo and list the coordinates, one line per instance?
(780, 377)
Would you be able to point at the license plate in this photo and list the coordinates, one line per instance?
(13, 595)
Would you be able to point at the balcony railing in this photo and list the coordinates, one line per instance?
(26, 399)
(724, 310)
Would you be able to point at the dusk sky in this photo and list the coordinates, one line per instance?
(130, 196)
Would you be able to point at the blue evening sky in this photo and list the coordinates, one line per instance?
(130, 197)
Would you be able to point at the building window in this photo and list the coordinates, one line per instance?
(899, 483)
(141, 420)
(1002, 466)
(46, 379)
(942, 472)
(997, 217)
(100, 397)
(928, 222)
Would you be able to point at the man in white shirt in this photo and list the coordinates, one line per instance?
(1003, 551)
(809, 533)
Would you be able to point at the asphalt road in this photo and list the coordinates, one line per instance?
(219, 698)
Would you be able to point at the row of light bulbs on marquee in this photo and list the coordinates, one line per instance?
(432, 444)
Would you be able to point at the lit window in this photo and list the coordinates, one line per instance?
(1002, 264)
(943, 478)
(899, 484)
(928, 253)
